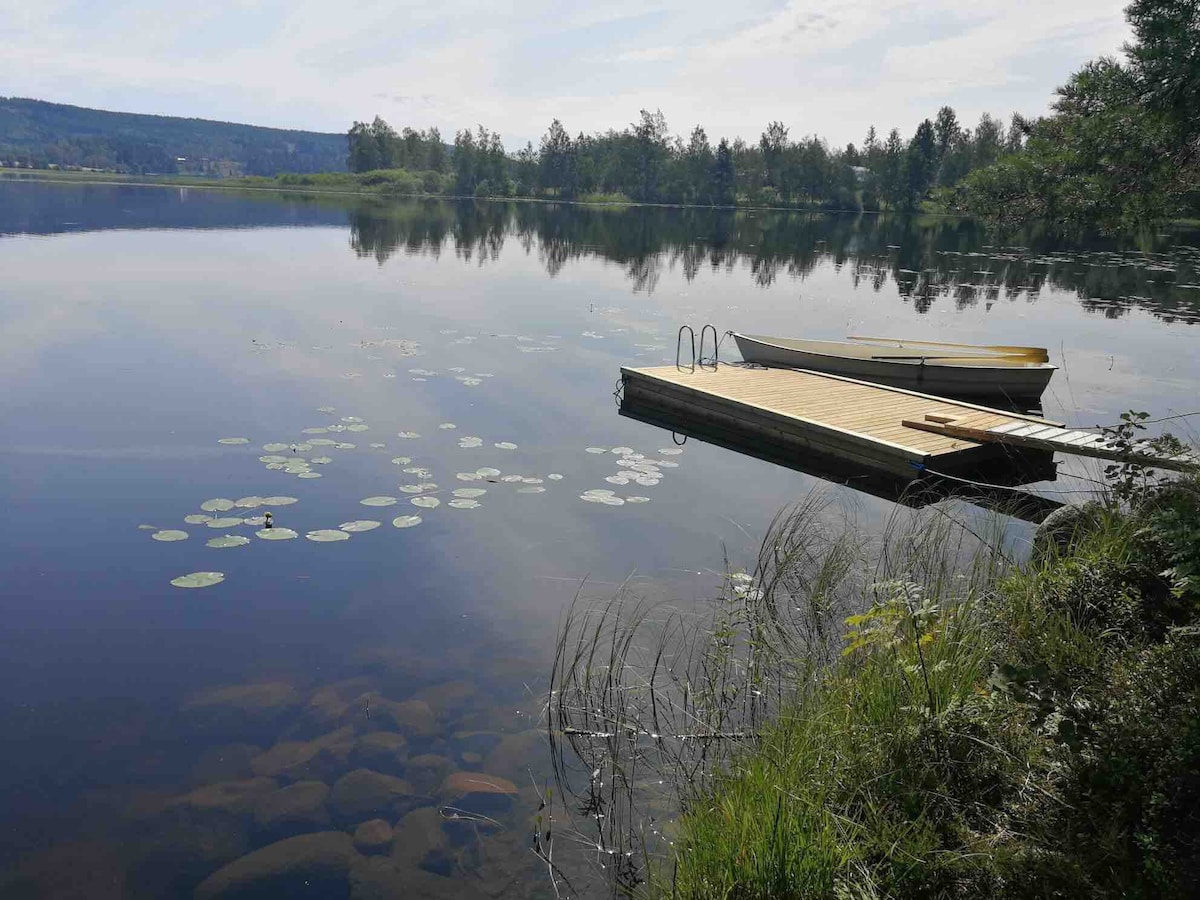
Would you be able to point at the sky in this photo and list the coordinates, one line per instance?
(825, 67)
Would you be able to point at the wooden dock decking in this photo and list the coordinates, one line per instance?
(827, 414)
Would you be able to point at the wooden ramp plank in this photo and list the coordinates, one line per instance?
(1060, 439)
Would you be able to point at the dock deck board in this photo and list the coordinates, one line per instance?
(829, 413)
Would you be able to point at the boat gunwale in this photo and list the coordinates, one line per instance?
(995, 362)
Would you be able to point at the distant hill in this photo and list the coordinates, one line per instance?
(38, 134)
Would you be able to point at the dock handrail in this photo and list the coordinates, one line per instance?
(715, 361)
(679, 347)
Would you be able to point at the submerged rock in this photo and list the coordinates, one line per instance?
(319, 758)
(419, 836)
(448, 697)
(412, 718)
(247, 709)
(374, 836)
(315, 866)
(297, 807)
(364, 794)
(477, 794)
(518, 754)
(227, 762)
(426, 771)
(383, 751)
(233, 797)
(1064, 526)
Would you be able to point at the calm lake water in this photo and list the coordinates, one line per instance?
(152, 734)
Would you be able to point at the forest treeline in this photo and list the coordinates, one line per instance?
(35, 134)
(1120, 147)
(646, 163)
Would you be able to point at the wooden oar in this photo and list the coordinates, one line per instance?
(1035, 354)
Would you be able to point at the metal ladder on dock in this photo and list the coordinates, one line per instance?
(709, 364)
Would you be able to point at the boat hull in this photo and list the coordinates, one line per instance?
(978, 379)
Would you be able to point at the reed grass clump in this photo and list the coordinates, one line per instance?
(916, 716)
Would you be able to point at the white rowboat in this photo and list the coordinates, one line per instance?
(960, 372)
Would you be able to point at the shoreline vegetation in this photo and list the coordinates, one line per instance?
(921, 716)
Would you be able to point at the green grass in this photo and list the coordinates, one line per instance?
(1035, 737)
(914, 717)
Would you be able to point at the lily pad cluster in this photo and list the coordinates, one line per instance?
(633, 468)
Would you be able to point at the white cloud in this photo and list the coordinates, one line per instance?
(821, 67)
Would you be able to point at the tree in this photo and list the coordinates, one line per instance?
(1164, 58)
(772, 145)
(363, 152)
(920, 164)
(554, 160)
(891, 177)
(698, 159)
(436, 152)
(646, 156)
(945, 131)
(465, 176)
(527, 170)
(723, 177)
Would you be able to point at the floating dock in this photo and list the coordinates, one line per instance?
(830, 416)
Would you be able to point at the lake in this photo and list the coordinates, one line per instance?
(172, 358)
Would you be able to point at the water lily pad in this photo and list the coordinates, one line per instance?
(618, 479)
(487, 472)
(255, 521)
(406, 521)
(554, 476)
(275, 447)
(351, 419)
(457, 369)
(229, 540)
(248, 502)
(308, 474)
(612, 501)
(359, 428)
(276, 534)
(447, 426)
(321, 460)
(670, 451)
(274, 466)
(318, 430)
(273, 458)
(378, 501)
(401, 460)
(505, 445)
(344, 446)
(323, 442)
(170, 534)
(468, 381)
(327, 535)
(411, 488)
(360, 525)
(637, 499)
(407, 435)
(235, 440)
(419, 471)
(325, 409)
(468, 443)
(464, 503)
(469, 493)
(511, 479)
(468, 476)
(196, 519)
(535, 489)
(622, 451)
(217, 504)
(595, 450)
(667, 464)
(198, 579)
(425, 502)
(279, 501)
(225, 522)
(336, 429)
(530, 480)
(301, 447)
(376, 445)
